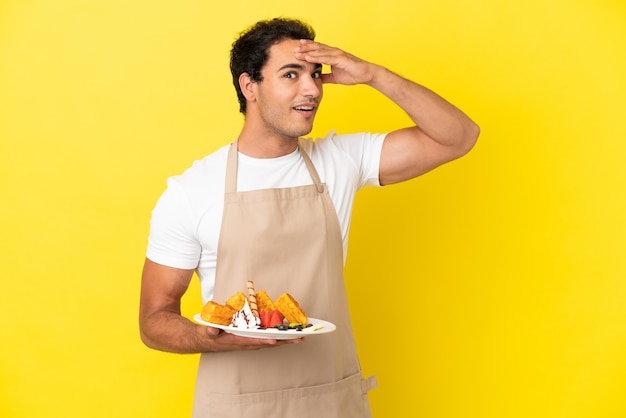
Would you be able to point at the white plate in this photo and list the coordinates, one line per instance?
(318, 327)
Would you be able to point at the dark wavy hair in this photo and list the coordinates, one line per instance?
(251, 50)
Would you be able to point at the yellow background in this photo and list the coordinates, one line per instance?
(493, 287)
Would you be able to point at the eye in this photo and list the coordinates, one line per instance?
(316, 75)
(290, 74)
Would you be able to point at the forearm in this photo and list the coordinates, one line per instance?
(171, 332)
(439, 120)
(162, 327)
(435, 116)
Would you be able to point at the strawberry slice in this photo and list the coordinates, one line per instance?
(265, 317)
(276, 318)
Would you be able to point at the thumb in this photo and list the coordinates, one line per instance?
(328, 78)
(212, 332)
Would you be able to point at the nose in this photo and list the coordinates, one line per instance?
(311, 87)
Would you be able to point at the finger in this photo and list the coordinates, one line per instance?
(294, 341)
(320, 57)
(245, 343)
(328, 78)
(213, 332)
(309, 44)
(267, 341)
(316, 49)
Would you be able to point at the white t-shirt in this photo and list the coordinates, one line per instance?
(186, 220)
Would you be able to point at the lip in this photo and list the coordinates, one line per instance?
(309, 111)
(311, 105)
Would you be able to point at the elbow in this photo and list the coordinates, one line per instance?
(474, 133)
(145, 339)
(150, 342)
(469, 138)
(144, 334)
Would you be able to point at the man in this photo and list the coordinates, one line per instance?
(275, 208)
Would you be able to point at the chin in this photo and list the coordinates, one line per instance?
(305, 130)
(303, 133)
(296, 134)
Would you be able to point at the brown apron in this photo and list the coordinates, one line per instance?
(285, 240)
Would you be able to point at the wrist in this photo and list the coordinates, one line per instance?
(379, 75)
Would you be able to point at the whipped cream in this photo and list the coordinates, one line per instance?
(244, 318)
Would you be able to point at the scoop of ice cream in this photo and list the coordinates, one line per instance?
(244, 318)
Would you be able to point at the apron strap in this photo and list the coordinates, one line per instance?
(369, 384)
(312, 171)
(231, 169)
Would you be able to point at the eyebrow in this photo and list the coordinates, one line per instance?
(297, 67)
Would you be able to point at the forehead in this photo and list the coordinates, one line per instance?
(282, 53)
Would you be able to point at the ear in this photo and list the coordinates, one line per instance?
(247, 86)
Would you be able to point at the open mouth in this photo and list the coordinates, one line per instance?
(304, 108)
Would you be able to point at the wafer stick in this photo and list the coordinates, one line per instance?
(252, 299)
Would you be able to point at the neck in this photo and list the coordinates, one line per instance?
(259, 144)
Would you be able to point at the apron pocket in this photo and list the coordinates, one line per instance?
(346, 398)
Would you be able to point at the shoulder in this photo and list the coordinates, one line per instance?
(347, 144)
(355, 149)
(204, 172)
(353, 158)
(198, 187)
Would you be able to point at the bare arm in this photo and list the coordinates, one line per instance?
(442, 132)
(162, 326)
